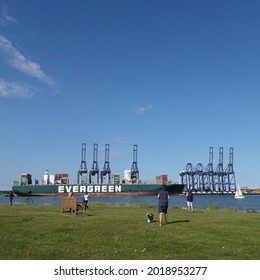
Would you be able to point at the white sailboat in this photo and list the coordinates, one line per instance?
(239, 194)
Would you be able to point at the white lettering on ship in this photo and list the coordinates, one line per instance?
(90, 189)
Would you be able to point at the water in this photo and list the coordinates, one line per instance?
(250, 202)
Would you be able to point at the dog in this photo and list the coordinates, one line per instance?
(149, 217)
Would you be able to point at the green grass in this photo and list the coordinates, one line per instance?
(121, 232)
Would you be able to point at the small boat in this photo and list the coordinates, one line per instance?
(239, 194)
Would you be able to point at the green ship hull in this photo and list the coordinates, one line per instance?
(96, 189)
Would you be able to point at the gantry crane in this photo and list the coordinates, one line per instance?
(95, 170)
(230, 178)
(83, 171)
(106, 169)
(219, 180)
(220, 173)
(134, 168)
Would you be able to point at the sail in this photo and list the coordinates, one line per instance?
(239, 193)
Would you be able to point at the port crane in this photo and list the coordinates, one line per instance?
(106, 169)
(218, 180)
(230, 173)
(83, 171)
(134, 168)
(219, 172)
(95, 170)
(210, 185)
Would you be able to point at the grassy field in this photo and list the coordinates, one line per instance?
(121, 232)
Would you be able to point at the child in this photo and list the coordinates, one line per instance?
(85, 200)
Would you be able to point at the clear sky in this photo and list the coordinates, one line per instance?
(174, 77)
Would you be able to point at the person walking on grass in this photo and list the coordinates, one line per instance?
(163, 197)
(190, 200)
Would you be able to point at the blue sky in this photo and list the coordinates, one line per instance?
(174, 77)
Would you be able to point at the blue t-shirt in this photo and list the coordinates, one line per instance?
(163, 197)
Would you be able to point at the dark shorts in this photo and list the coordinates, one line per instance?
(163, 208)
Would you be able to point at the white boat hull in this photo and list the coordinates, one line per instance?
(239, 197)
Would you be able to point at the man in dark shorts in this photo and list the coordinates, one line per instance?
(189, 200)
(163, 197)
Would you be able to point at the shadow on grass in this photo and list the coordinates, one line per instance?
(179, 221)
(172, 222)
(76, 216)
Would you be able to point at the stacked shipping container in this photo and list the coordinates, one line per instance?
(162, 179)
(62, 179)
(116, 178)
(25, 179)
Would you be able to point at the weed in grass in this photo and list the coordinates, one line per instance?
(213, 207)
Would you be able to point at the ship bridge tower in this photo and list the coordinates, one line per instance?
(134, 168)
(106, 169)
(83, 172)
(95, 170)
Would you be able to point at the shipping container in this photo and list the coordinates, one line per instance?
(57, 179)
(84, 179)
(133, 179)
(57, 176)
(26, 179)
(115, 178)
(162, 179)
(64, 181)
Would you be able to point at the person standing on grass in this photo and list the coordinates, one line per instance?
(11, 197)
(163, 197)
(190, 200)
(85, 200)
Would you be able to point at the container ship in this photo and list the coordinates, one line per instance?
(58, 185)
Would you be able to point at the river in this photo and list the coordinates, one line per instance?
(249, 203)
